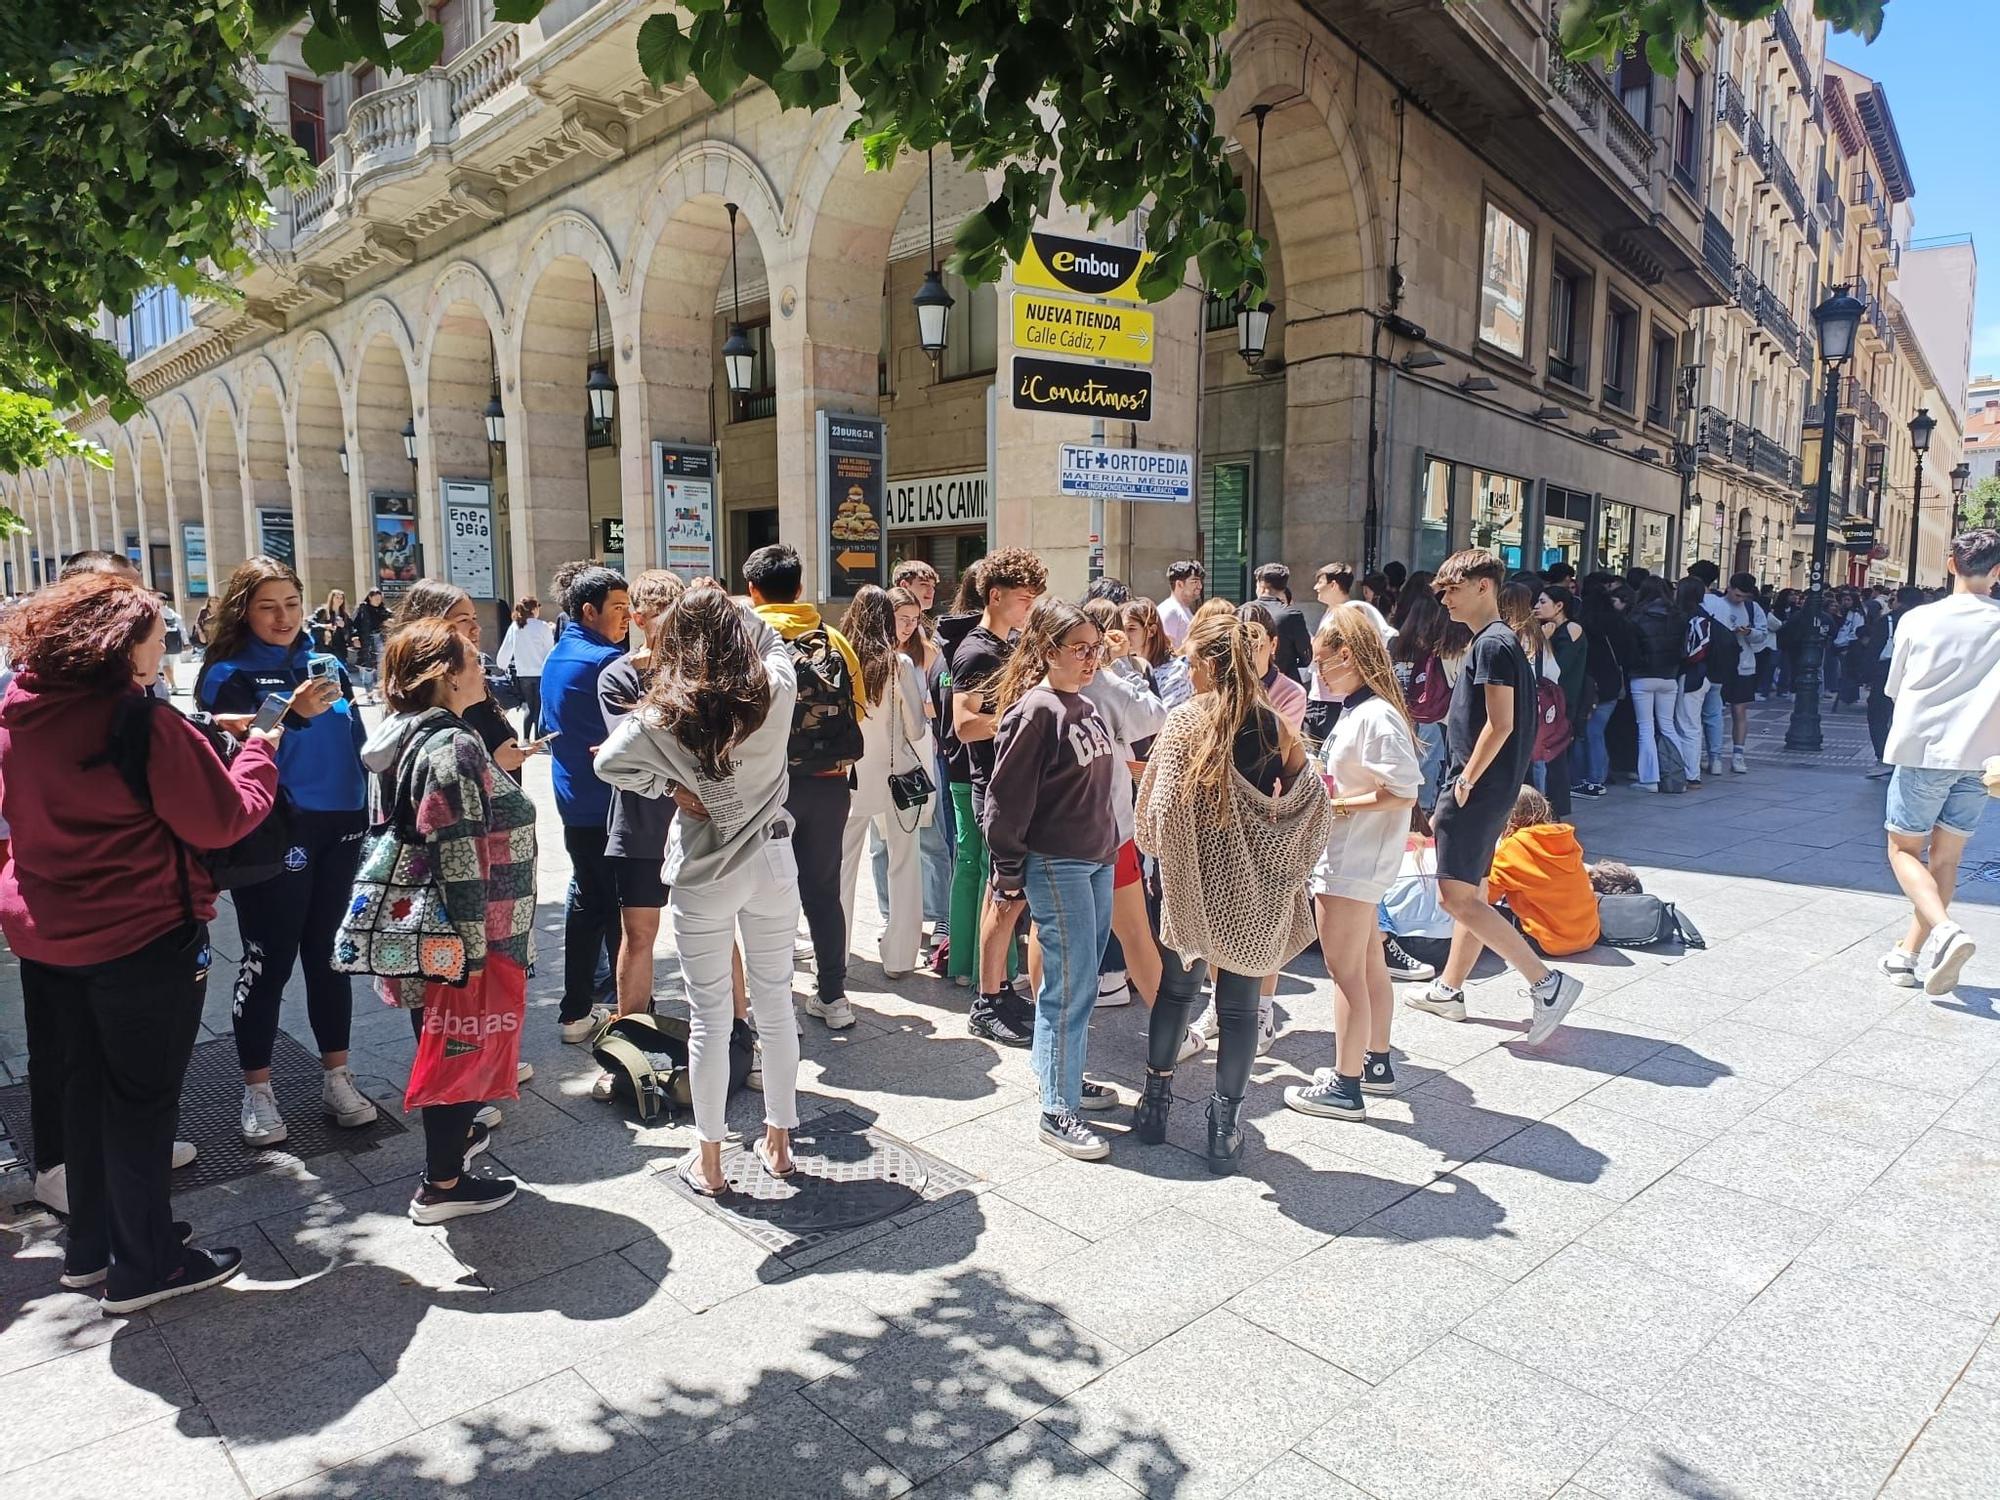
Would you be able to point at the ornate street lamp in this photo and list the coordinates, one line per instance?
(496, 422)
(1253, 324)
(739, 357)
(1961, 475)
(342, 453)
(1922, 425)
(1836, 320)
(410, 441)
(932, 301)
(603, 394)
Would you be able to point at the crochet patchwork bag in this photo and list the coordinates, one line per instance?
(397, 925)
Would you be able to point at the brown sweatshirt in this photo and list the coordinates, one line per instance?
(1050, 793)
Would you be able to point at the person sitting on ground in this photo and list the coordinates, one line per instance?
(1610, 878)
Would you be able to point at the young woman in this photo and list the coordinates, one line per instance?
(1285, 693)
(1566, 650)
(895, 739)
(1694, 683)
(713, 733)
(936, 845)
(176, 639)
(434, 599)
(1149, 642)
(257, 650)
(1054, 844)
(109, 917)
(527, 645)
(1236, 827)
(333, 626)
(1607, 645)
(481, 827)
(1371, 763)
(1659, 634)
(1417, 657)
(371, 623)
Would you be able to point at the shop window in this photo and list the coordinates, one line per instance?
(1565, 525)
(972, 338)
(1225, 528)
(1660, 382)
(1499, 509)
(761, 400)
(1434, 522)
(307, 99)
(1503, 283)
(1614, 537)
(1569, 321)
(1651, 542)
(1621, 354)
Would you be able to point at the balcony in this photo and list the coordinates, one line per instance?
(1729, 106)
(1772, 315)
(1718, 247)
(1713, 433)
(1787, 36)
(1758, 143)
(1769, 458)
(1853, 397)
(1831, 207)
(1780, 171)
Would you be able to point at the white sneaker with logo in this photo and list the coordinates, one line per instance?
(1112, 990)
(341, 1099)
(1267, 1026)
(261, 1123)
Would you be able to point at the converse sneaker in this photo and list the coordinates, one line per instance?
(1064, 1132)
(261, 1124)
(1267, 1026)
(432, 1204)
(1206, 1023)
(198, 1269)
(1552, 999)
(1402, 963)
(489, 1116)
(584, 1028)
(1377, 1077)
(1899, 968)
(341, 1099)
(1737, 762)
(1440, 999)
(837, 1013)
(184, 1154)
(992, 1022)
(1096, 1096)
(1329, 1096)
(76, 1279)
(1943, 957)
(1112, 990)
(523, 1072)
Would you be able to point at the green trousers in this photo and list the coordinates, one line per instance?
(969, 879)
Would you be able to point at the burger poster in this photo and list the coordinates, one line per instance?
(853, 460)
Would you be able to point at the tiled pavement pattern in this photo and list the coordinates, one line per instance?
(1736, 1232)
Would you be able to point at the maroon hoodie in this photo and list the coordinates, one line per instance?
(93, 875)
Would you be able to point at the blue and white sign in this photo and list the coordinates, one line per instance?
(1091, 473)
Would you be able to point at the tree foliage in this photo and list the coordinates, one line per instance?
(1982, 503)
(32, 435)
(1608, 29)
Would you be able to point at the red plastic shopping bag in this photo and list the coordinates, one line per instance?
(470, 1046)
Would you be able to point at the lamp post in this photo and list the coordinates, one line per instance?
(933, 302)
(738, 355)
(1253, 321)
(1836, 319)
(1961, 475)
(1922, 425)
(409, 436)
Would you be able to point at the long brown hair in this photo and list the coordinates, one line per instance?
(870, 628)
(1221, 642)
(1517, 608)
(229, 628)
(428, 599)
(1142, 624)
(710, 690)
(1345, 625)
(919, 646)
(1049, 621)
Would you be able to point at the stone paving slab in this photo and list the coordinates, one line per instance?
(1735, 1232)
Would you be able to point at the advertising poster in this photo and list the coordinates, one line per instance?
(276, 538)
(194, 556)
(853, 459)
(399, 559)
(467, 507)
(684, 492)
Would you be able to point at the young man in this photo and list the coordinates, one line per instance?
(826, 742)
(1490, 740)
(920, 578)
(599, 606)
(1944, 678)
(1011, 580)
(1333, 586)
(1295, 638)
(1184, 580)
(1742, 630)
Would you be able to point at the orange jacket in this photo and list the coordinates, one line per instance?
(1539, 869)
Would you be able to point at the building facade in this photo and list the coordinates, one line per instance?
(1488, 265)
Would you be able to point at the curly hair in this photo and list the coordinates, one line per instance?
(1011, 568)
(710, 690)
(81, 631)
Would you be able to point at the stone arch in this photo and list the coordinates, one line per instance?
(224, 496)
(323, 513)
(152, 505)
(271, 527)
(383, 401)
(463, 331)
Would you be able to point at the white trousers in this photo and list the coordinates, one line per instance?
(903, 935)
(762, 899)
(1653, 711)
(1687, 727)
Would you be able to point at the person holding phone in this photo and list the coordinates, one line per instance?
(259, 650)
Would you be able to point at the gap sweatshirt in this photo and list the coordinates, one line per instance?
(1050, 793)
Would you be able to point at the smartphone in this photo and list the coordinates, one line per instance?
(273, 710)
(541, 741)
(320, 666)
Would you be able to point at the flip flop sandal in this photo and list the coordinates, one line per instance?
(764, 1156)
(694, 1183)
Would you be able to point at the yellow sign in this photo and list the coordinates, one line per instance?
(1077, 330)
(1087, 268)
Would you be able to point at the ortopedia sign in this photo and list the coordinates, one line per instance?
(1078, 330)
(1127, 474)
(1086, 267)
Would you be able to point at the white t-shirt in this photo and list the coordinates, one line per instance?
(1944, 678)
(1175, 618)
(1371, 748)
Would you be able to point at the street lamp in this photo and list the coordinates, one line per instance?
(410, 441)
(1836, 320)
(739, 358)
(1922, 425)
(1253, 323)
(603, 394)
(933, 302)
(343, 458)
(1961, 475)
(496, 422)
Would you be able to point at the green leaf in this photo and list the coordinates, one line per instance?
(874, 22)
(663, 50)
(790, 20)
(824, 14)
(1663, 53)
(518, 10)
(322, 52)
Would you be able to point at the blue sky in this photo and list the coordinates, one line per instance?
(1939, 60)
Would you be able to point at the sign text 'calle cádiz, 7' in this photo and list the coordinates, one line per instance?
(1079, 330)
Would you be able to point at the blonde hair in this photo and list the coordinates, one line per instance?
(1049, 621)
(1530, 808)
(1221, 643)
(654, 592)
(1350, 626)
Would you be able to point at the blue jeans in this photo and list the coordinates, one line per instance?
(1070, 900)
(1430, 757)
(1589, 758)
(1920, 800)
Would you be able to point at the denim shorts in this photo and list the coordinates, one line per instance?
(1920, 800)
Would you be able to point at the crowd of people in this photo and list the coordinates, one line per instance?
(1064, 805)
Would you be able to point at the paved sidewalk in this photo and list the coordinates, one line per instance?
(1735, 1232)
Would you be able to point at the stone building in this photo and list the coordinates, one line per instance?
(1486, 265)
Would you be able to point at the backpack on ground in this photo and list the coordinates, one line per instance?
(647, 1058)
(1643, 921)
(826, 734)
(1673, 772)
(259, 854)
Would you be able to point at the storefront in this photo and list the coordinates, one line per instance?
(942, 519)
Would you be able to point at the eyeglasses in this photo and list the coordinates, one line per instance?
(1083, 651)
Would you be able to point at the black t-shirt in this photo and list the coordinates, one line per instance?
(1495, 657)
(1256, 751)
(976, 663)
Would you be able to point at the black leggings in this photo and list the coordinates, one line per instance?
(446, 1126)
(291, 919)
(1236, 1000)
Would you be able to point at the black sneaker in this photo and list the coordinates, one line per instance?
(1329, 1096)
(995, 1025)
(1097, 1096)
(1403, 964)
(198, 1269)
(469, 1195)
(76, 1281)
(1377, 1077)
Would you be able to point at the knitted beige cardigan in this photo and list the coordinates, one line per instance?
(1233, 894)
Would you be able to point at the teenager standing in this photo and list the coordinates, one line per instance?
(523, 652)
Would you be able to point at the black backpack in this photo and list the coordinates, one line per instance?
(1641, 921)
(826, 733)
(647, 1058)
(259, 854)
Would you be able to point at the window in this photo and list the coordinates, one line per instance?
(1434, 521)
(1687, 145)
(159, 315)
(1499, 507)
(1635, 87)
(761, 400)
(307, 97)
(366, 81)
(972, 336)
(1569, 318)
(1614, 537)
(1621, 354)
(1503, 283)
(1225, 528)
(1565, 524)
(1660, 381)
(454, 18)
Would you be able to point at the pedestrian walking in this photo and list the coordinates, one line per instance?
(523, 653)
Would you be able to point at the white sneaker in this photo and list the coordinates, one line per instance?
(1943, 958)
(1552, 1003)
(523, 1073)
(1267, 1026)
(1737, 763)
(488, 1115)
(52, 1188)
(261, 1124)
(1899, 968)
(346, 1103)
(576, 1033)
(1715, 765)
(837, 1014)
(1191, 1044)
(1112, 990)
(754, 1079)
(1440, 999)
(184, 1153)
(1205, 1023)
